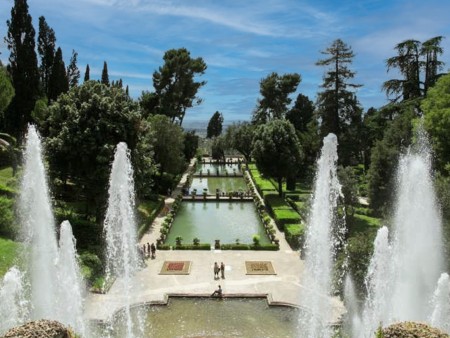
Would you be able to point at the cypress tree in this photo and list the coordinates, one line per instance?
(73, 73)
(86, 74)
(58, 80)
(105, 77)
(46, 50)
(23, 68)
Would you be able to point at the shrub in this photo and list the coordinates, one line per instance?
(294, 235)
(265, 247)
(235, 247)
(7, 224)
(163, 247)
(200, 246)
(285, 216)
(256, 240)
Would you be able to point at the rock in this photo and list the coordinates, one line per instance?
(412, 330)
(40, 329)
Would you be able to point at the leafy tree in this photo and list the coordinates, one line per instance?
(46, 50)
(436, 107)
(149, 103)
(84, 127)
(190, 144)
(413, 57)
(168, 144)
(240, 137)
(105, 76)
(214, 128)
(73, 73)
(338, 106)
(301, 113)
(218, 147)
(275, 91)
(86, 74)
(22, 67)
(385, 153)
(174, 83)
(277, 150)
(58, 78)
(6, 91)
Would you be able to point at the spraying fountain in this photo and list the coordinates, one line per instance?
(50, 286)
(323, 236)
(120, 229)
(403, 272)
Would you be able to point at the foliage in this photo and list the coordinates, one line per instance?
(6, 91)
(413, 56)
(301, 114)
(105, 76)
(275, 90)
(86, 74)
(348, 181)
(147, 212)
(46, 50)
(168, 144)
(277, 150)
(294, 234)
(337, 105)
(23, 69)
(261, 247)
(240, 137)
(218, 148)
(84, 127)
(7, 217)
(174, 83)
(58, 82)
(436, 107)
(359, 250)
(73, 73)
(199, 246)
(91, 266)
(285, 216)
(214, 128)
(190, 144)
(8, 255)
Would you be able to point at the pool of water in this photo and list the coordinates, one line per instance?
(220, 169)
(224, 184)
(205, 317)
(212, 220)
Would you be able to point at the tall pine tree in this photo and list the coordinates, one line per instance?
(58, 80)
(73, 73)
(23, 67)
(105, 77)
(46, 50)
(337, 104)
(86, 74)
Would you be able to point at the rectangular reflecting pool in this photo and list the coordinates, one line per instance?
(212, 220)
(225, 184)
(217, 169)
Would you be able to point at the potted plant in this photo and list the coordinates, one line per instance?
(178, 240)
(256, 240)
(196, 241)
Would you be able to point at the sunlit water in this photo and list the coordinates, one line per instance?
(120, 228)
(405, 268)
(209, 221)
(324, 234)
(197, 317)
(224, 184)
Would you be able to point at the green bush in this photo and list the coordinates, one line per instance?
(265, 247)
(163, 247)
(200, 246)
(7, 222)
(294, 234)
(91, 266)
(285, 216)
(235, 247)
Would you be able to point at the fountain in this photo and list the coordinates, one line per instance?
(403, 274)
(50, 287)
(70, 282)
(323, 236)
(38, 230)
(441, 304)
(120, 228)
(13, 305)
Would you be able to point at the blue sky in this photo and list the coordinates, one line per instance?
(240, 41)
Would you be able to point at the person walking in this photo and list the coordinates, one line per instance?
(222, 270)
(153, 250)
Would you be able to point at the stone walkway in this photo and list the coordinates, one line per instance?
(148, 286)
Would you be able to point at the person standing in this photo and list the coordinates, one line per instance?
(216, 270)
(153, 250)
(222, 270)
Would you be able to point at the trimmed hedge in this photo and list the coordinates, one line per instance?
(294, 234)
(285, 216)
(147, 217)
(200, 246)
(261, 247)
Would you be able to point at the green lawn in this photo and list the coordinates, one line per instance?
(8, 253)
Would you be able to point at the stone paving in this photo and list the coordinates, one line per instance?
(148, 286)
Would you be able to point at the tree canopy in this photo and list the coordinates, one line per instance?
(277, 150)
(214, 128)
(175, 84)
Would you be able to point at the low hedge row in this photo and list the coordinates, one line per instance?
(294, 234)
(285, 216)
(262, 247)
(200, 246)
